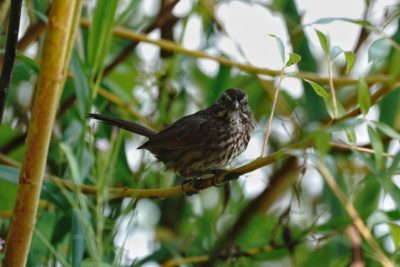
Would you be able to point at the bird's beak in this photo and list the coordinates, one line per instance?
(235, 104)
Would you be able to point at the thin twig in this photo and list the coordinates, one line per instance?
(271, 115)
(358, 148)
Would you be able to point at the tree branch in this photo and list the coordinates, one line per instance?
(171, 46)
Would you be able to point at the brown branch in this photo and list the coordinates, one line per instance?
(13, 143)
(188, 188)
(32, 34)
(357, 258)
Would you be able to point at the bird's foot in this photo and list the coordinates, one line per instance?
(192, 185)
(228, 175)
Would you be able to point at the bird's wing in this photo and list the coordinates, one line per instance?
(190, 131)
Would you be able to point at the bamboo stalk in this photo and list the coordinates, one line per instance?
(49, 88)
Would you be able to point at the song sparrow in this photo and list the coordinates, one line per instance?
(201, 143)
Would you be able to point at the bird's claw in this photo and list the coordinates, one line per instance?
(228, 175)
(195, 185)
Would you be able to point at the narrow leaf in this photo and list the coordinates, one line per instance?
(100, 33)
(281, 47)
(9, 174)
(384, 128)
(331, 110)
(395, 229)
(318, 89)
(350, 60)
(351, 135)
(323, 42)
(364, 97)
(293, 59)
(322, 142)
(378, 50)
(73, 164)
(354, 21)
(377, 145)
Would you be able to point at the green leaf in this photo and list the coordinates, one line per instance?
(350, 60)
(323, 42)
(78, 242)
(331, 111)
(349, 123)
(378, 50)
(132, 7)
(395, 229)
(367, 196)
(332, 19)
(9, 177)
(293, 59)
(322, 140)
(335, 52)
(318, 89)
(351, 135)
(364, 97)
(100, 33)
(377, 145)
(394, 68)
(9, 174)
(72, 161)
(81, 85)
(384, 128)
(30, 61)
(280, 45)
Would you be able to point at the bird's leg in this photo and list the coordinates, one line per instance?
(190, 181)
(198, 183)
(228, 175)
(195, 180)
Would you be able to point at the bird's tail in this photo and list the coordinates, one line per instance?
(127, 125)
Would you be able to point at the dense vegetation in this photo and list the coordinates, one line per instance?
(328, 164)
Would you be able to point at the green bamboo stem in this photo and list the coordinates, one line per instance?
(48, 91)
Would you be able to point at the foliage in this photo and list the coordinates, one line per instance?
(109, 74)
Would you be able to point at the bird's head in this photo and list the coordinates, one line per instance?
(231, 104)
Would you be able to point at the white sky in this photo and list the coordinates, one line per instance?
(248, 27)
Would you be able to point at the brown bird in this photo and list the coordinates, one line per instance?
(201, 143)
